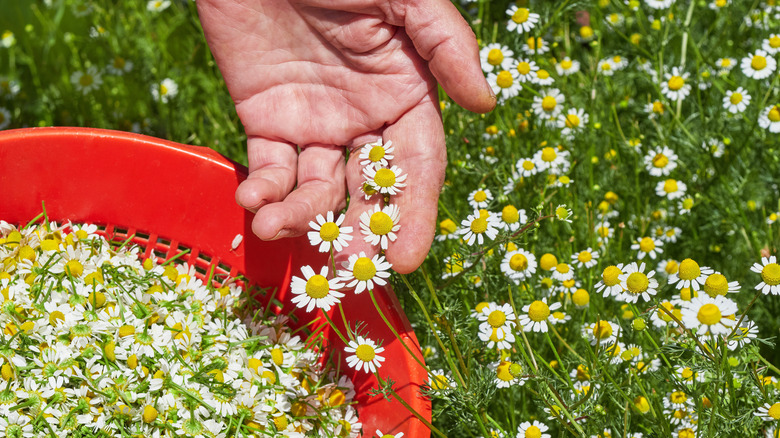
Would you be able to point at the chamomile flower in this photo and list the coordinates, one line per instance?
(636, 283)
(719, 4)
(667, 267)
(527, 167)
(157, 5)
(480, 198)
(660, 161)
(499, 338)
(659, 4)
(769, 412)
(770, 275)
(388, 181)
(365, 354)
(572, 121)
(119, 66)
(328, 233)
(670, 189)
(567, 67)
(744, 334)
(717, 284)
(507, 374)
(380, 224)
(687, 375)
(606, 67)
(512, 218)
(709, 315)
(526, 70)
(166, 90)
(495, 55)
(675, 85)
(562, 272)
(610, 284)
(86, 81)
(604, 232)
(377, 153)
(519, 265)
(563, 213)
(363, 273)
(690, 274)
(521, 19)
(543, 78)
(447, 230)
(736, 101)
(477, 227)
(439, 380)
(536, 315)
(725, 65)
(501, 318)
(772, 44)
(647, 246)
(454, 265)
(316, 290)
(655, 109)
(760, 65)
(615, 19)
(535, 429)
(505, 84)
(535, 46)
(549, 103)
(770, 118)
(601, 332)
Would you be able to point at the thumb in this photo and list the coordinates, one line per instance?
(444, 39)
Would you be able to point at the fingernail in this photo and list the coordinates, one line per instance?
(281, 234)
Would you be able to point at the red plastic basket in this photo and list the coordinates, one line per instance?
(169, 198)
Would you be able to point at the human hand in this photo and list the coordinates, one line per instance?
(323, 75)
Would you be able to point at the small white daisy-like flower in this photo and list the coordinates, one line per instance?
(772, 44)
(377, 153)
(478, 226)
(671, 234)
(586, 258)
(717, 284)
(667, 267)
(615, 19)
(769, 412)
(543, 78)
(725, 65)
(714, 146)
(512, 218)
(687, 376)
(736, 101)
(497, 338)
(454, 265)
(549, 103)
(572, 121)
(363, 273)
(604, 232)
(119, 66)
(660, 316)
(655, 109)
(719, 4)
(636, 283)
(563, 213)
(497, 317)
(86, 81)
(480, 198)
(495, 55)
(521, 19)
(558, 317)
(315, 290)
(157, 5)
(601, 332)
(388, 181)
(535, 46)
(536, 315)
(770, 118)
(671, 189)
(562, 272)
(742, 335)
(675, 85)
(439, 380)
(660, 161)
(507, 374)
(365, 355)
(709, 315)
(380, 224)
(659, 4)
(567, 67)
(770, 275)
(610, 282)
(519, 265)
(165, 90)
(690, 274)
(505, 84)
(647, 246)
(328, 233)
(759, 65)
(535, 429)
(526, 70)
(527, 167)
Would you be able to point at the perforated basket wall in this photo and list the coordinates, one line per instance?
(170, 198)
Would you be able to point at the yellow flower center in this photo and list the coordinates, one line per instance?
(758, 62)
(572, 121)
(548, 261)
(480, 196)
(771, 274)
(646, 244)
(637, 283)
(521, 15)
(586, 32)
(523, 68)
(376, 153)
(709, 314)
(563, 268)
(75, 268)
(86, 80)
(384, 178)
(678, 397)
(774, 411)
(549, 103)
(163, 89)
(497, 318)
(716, 284)
(150, 414)
(317, 287)
(676, 82)
(658, 107)
(670, 186)
(610, 275)
(438, 382)
(479, 225)
(689, 270)
(641, 404)
(365, 352)
(528, 165)
(565, 180)
(584, 256)
(504, 79)
(603, 232)
(687, 373)
(447, 226)
(364, 269)
(671, 267)
(503, 373)
(533, 432)
(495, 57)
(380, 223)
(542, 74)
(774, 114)
(329, 231)
(518, 262)
(566, 64)
(735, 98)
(660, 161)
(510, 214)
(602, 330)
(538, 311)
(580, 298)
(606, 66)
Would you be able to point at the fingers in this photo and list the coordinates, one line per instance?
(320, 171)
(443, 38)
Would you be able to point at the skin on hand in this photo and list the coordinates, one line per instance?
(311, 79)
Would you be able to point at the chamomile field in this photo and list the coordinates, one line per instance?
(605, 258)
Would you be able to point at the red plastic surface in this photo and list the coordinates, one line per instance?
(172, 197)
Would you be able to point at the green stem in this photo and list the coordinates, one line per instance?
(395, 333)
